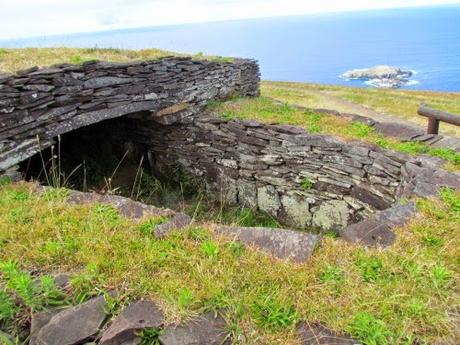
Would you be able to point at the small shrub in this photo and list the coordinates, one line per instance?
(368, 329)
(210, 249)
(306, 184)
(150, 336)
(114, 304)
(416, 308)
(273, 314)
(8, 308)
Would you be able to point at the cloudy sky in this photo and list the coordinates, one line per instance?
(25, 18)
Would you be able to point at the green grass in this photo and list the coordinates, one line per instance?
(12, 60)
(150, 336)
(401, 103)
(399, 295)
(306, 184)
(22, 294)
(266, 110)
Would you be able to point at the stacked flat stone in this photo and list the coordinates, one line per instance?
(36, 105)
(303, 179)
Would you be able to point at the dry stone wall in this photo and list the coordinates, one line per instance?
(48, 102)
(303, 179)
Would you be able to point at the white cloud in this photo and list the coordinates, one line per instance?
(22, 18)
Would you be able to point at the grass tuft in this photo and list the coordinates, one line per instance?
(272, 313)
(369, 329)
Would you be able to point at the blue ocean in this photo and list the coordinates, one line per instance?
(308, 48)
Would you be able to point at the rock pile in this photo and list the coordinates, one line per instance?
(87, 323)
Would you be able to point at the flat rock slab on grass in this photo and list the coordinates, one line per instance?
(398, 215)
(74, 325)
(178, 222)
(38, 321)
(62, 280)
(127, 207)
(136, 316)
(317, 334)
(207, 329)
(369, 232)
(377, 230)
(280, 243)
(398, 130)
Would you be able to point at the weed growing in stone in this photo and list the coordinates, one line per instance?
(306, 184)
(150, 336)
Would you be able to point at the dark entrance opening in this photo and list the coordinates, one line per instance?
(100, 157)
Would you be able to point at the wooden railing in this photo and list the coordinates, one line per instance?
(435, 116)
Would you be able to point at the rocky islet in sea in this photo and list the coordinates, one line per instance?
(387, 77)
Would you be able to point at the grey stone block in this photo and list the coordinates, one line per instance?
(281, 243)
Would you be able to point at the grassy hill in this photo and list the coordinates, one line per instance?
(402, 104)
(405, 294)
